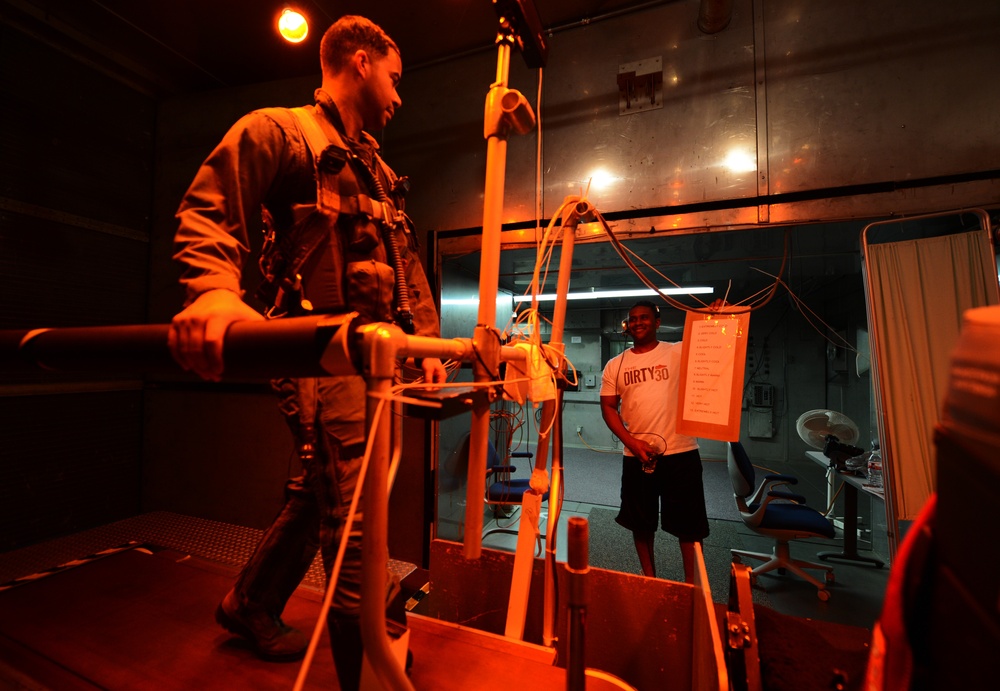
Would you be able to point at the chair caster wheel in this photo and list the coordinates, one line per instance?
(823, 595)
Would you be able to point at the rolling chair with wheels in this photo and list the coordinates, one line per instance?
(775, 513)
(503, 491)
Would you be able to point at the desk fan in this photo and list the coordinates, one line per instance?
(832, 432)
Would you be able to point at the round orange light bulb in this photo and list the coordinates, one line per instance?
(292, 26)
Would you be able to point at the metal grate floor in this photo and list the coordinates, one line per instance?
(222, 543)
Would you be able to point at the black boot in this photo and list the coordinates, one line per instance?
(270, 637)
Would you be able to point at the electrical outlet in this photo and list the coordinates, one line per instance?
(579, 429)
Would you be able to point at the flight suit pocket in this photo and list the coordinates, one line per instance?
(370, 289)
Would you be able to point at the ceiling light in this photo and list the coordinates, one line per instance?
(600, 179)
(624, 293)
(739, 161)
(292, 25)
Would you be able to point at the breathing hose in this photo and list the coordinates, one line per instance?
(404, 316)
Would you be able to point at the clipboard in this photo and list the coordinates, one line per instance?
(713, 364)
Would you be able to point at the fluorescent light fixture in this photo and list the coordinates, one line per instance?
(472, 300)
(627, 293)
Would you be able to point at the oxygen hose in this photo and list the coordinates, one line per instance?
(403, 314)
(404, 317)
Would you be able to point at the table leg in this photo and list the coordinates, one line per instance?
(850, 552)
(830, 490)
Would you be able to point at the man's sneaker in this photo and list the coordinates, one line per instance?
(270, 637)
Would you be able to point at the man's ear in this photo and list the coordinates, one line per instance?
(360, 62)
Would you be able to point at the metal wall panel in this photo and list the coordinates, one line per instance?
(73, 141)
(792, 97)
(861, 91)
(55, 274)
(67, 462)
(678, 154)
(76, 175)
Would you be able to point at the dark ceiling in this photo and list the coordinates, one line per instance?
(171, 47)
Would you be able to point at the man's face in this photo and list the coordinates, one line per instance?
(379, 98)
(642, 324)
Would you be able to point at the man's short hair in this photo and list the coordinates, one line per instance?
(647, 303)
(348, 35)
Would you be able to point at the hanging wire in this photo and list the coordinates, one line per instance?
(626, 255)
(809, 315)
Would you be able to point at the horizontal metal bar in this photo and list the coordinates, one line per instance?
(295, 347)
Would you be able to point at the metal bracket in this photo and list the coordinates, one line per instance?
(640, 86)
(742, 655)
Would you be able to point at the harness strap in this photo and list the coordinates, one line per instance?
(311, 235)
(361, 204)
(329, 153)
(383, 212)
(316, 137)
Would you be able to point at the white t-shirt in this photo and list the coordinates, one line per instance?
(647, 385)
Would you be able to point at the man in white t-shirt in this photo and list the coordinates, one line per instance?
(661, 469)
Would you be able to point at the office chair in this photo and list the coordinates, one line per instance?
(773, 512)
(503, 491)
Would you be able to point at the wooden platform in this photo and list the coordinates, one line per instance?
(143, 618)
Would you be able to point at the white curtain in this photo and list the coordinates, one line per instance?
(917, 292)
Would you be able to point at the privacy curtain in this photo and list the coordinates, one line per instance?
(918, 291)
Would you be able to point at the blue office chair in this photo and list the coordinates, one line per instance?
(770, 511)
(503, 491)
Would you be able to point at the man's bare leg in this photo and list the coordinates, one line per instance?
(644, 541)
(687, 556)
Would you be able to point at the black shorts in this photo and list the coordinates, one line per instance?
(674, 491)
